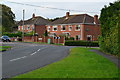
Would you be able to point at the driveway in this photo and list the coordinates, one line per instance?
(25, 57)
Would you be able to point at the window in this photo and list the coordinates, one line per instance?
(89, 37)
(66, 33)
(77, 37)
(70, 28)
(77, 28)
(19, 27)
(63, 28)
(28, 27)
(23, 28)
(33, 27)
(48, 28)
(54, 28)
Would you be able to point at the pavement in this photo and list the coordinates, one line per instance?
(112, 58)
(25, 57)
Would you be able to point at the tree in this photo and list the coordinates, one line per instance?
(7, 18)
(45, 33)
(110, 25)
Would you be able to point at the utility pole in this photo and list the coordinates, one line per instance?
(23, 25)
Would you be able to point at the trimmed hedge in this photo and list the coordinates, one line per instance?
(82, 43)
(110, 24)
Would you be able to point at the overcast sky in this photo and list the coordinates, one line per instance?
(90, 7)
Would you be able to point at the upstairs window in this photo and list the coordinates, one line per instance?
(70, 28)
(33, 27)
(54, 28)
(48, 28)
(28, 27)
(19, 27)
(77, 28)
(63, 28)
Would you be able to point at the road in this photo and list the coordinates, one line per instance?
(25, 57)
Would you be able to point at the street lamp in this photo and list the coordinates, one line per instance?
(23, 26)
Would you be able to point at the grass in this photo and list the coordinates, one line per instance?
(4, 48)
(81, 63)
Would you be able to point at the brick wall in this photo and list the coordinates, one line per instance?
(93, 29)
(40, 30)
(43, 39)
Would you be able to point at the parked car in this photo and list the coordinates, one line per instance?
(5, 39)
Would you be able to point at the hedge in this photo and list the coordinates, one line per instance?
(82, 43)
(110, 24)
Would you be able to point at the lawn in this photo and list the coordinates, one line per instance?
(81, 63)
(4, 48)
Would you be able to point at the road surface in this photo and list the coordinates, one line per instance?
(25, 57)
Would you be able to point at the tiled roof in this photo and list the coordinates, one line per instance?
(36, 21)
(80, 18)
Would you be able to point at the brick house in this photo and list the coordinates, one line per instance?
(36, 24)
(79, 26)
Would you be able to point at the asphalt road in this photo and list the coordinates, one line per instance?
(25, 57)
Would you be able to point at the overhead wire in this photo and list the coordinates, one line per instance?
(50, 7)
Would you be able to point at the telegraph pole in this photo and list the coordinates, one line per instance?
(23, 25)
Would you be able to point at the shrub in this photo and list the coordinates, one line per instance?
(82, 43)
(109, 41)
(18, 34)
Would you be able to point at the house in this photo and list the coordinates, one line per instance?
(37, 24)
(78, 26)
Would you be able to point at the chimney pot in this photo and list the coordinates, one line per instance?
(33, 16)
(67, 14)
(96, 19)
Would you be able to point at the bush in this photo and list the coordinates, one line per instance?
(109, 41)
(67, 38)
(18, 34)
(82, 43)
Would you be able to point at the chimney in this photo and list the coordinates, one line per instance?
(67, 15)
(33, 16)
(96, 19)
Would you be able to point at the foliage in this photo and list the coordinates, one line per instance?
(7, 18)
(81, 43)
(17, 34)
(45, 33)
(29, 33)
(110, 23)
(4, 48)
(81, 64)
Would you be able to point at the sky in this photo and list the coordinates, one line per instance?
(91, 7)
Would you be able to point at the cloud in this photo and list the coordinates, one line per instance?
(83, 7)
(61, 0)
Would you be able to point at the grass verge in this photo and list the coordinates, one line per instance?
(81, 63)
(4, 48)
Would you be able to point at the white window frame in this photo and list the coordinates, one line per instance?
(62, 28)
(70, 26)
(19, 27)
(23, 27)
(48, 28)
(33, 27)
(54, 27)
(28, 26)
(79, 36)
(89, 36)
(77, 29)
